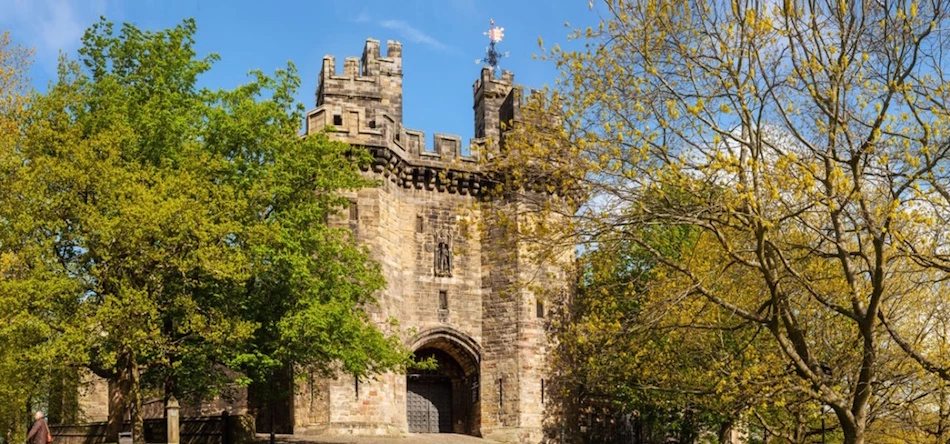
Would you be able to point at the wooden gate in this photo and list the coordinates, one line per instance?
(429, 404)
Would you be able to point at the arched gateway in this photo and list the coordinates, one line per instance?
(445, 399)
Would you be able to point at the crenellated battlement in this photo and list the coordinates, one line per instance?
(369, 65)
(371, 82)
(352, 124)
(363, 106)
(488, 82)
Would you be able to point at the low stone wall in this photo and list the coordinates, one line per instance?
(224, 429)
(92, 433)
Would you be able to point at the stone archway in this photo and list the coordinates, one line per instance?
(447, 399)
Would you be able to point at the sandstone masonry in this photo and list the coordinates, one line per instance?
(472, 313)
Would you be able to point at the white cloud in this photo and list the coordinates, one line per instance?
(406, 31)
(50, 25)
(61, 28)
(412, 33)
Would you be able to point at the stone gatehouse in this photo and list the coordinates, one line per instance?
(449, 274)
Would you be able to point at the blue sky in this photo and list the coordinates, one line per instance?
(441, 40)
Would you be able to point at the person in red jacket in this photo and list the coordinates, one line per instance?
(39, 434)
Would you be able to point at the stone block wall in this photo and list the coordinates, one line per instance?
(514, 326)
(93, 398)
(343, 406)
(403, 228)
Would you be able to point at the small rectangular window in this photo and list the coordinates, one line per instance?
(354, 210)
(420, 223)
(443, 300)
(542, 391)
(337, 120)
(539, 307)
(356, 386)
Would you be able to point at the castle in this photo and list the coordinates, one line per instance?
(450, 274)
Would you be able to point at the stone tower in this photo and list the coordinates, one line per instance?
(450, 274)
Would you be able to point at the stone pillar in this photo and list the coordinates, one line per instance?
(171, 418)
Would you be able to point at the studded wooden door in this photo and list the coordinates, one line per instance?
(429, 405)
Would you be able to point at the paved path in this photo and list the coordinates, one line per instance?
(435, 438)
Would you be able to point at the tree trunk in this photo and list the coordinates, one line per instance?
(853, 432)
(725, 432)
(857, 437)
(135, 403)
(854, 439)
(117, 406)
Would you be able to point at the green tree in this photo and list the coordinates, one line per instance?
(24, 334)
(185, 229)
(825, 124)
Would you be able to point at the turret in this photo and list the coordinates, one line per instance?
(371, 82)
(490, 94)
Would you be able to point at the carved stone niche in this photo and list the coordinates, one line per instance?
(443, 255)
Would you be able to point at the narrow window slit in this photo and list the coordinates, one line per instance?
(501, 392)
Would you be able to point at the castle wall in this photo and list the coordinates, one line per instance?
(94, 393)
(514, 326)
(343, 406)
(403, 228)
(93, 398)
(544, 281)
(455, 273)
(502, 360)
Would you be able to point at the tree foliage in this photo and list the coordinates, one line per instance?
(180, 231)
(23, 333)
(807, 145)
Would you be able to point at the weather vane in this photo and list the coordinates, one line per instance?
(495, 34)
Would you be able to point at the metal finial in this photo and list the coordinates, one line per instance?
(492, 56)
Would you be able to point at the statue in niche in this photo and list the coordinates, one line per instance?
(443, 257)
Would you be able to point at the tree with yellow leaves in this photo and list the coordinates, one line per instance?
(23, 334)
(808, 144)
(14, 64)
